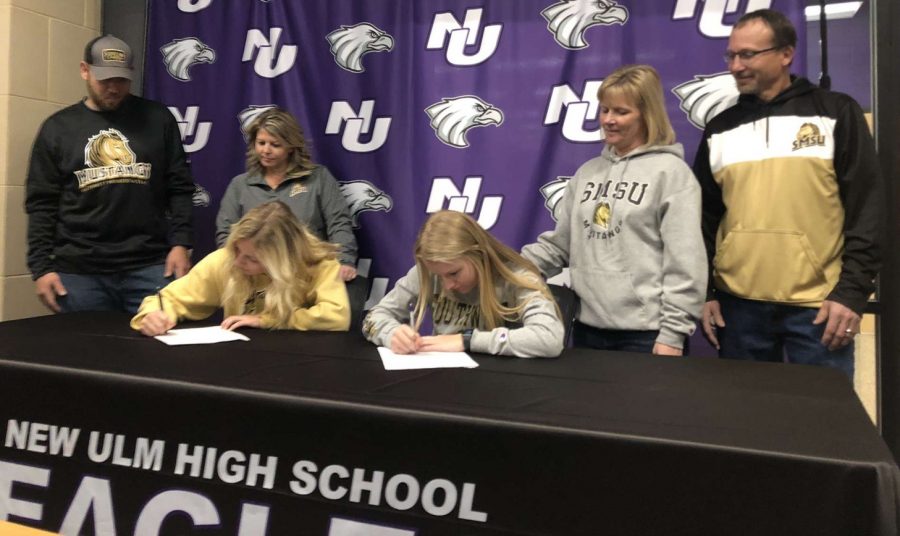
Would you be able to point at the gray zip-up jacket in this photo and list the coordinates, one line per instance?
(629, 231)
(540, 332)
(315, 199)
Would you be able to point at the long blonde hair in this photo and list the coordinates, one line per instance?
(640, 85)
(284, 126)
(288, 252)
(449, 236)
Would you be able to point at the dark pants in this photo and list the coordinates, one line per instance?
(584, 336)
(765, 331)
(111, 292)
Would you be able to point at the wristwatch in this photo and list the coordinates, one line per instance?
(467, 339)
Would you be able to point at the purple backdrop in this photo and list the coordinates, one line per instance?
(482, 106)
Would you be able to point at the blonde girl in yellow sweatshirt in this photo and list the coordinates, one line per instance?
(272, 273)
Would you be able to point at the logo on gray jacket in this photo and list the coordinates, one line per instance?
(567, 20)
(452, 117)
(362, 196)
(180, 54)
(350, 43)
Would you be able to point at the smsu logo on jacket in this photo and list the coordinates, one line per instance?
(808, 136)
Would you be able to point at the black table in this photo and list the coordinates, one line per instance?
(306, 433)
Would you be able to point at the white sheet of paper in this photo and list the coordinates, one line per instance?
(212, 334)
(425, 360)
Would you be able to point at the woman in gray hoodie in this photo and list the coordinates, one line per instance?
(483, 296)
(629, 227)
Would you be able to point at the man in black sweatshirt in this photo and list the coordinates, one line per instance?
(108, 194)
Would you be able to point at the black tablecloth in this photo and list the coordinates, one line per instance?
(590, 443)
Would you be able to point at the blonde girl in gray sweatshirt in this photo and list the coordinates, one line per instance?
(628, 227)
(483, 296)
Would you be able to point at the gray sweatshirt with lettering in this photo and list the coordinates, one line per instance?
(628, 228)
(540, 332)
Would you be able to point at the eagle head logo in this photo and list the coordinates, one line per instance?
(350, 43)
(248, 115)
(108, 148)
(602, 213)
(567, 20)
(180, 54)
(706, 96)
(201, 196)
(553, 193)
(362, 196)
(451, 118)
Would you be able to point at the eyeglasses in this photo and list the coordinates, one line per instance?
(745, 55)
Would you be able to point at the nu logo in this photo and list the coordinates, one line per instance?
(578, 110)
(713, 15)
(463, 35)
(188, 126)
(269, 64)
(358, 124)
(443, 189)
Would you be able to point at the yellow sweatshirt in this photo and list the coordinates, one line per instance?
(198, 295)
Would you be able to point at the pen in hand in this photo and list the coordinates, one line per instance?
(412, 326)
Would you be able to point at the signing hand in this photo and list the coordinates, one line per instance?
(842, 324)
(405, 340)
(156, 323)
(347, 272)
(712, 319)
(443, 343)
(178, 262)
(664, 349)
(48, 287)
(238, 321)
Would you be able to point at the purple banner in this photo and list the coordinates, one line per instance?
(481, 106)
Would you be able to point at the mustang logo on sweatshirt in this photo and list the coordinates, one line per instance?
(110, 160)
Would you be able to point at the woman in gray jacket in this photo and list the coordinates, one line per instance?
(629, 227)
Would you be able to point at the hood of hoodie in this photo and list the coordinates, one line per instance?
(609, 153)
(799, 86)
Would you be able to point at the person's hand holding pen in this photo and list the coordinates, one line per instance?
(157, 322)
(405, 339)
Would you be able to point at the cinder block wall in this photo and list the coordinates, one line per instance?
(39, 55)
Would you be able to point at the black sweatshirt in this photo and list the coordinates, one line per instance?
(107, 191)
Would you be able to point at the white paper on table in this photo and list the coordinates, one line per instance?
(210, 335)
(425, 360)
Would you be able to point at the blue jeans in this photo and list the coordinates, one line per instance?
(111, 292)
(584, 336)
(766, 331)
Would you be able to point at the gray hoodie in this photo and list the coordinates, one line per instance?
(629, 230)
(539, 334)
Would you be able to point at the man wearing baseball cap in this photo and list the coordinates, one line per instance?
(108, 193)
